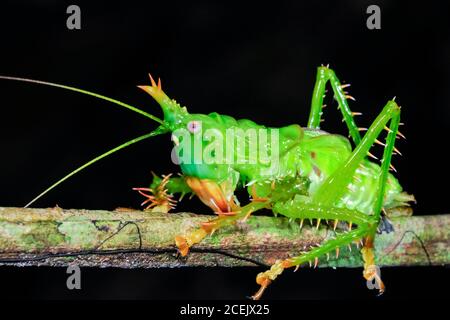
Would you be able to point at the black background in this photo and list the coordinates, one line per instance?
(248, 60)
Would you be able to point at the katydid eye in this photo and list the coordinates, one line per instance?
(194, 126)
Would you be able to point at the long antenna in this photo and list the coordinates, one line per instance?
(158, 131)
(122, 104)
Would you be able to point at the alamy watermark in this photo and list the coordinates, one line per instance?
(74, 280)
(73, 21)
(234, 146)
(374, 20)
(374, 283)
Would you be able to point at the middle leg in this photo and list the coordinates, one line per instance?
(184, 242)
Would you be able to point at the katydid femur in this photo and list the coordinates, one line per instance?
(316, 175)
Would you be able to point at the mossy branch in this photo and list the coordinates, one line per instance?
(137, 239)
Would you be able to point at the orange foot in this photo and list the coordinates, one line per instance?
(264, 282)
(264, 279)
(372, 275)
(158, 199)
(184, 243)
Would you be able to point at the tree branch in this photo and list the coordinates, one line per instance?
(136, 239)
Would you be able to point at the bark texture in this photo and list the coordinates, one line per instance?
(136, 239)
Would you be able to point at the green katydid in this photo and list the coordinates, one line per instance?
(314, 174)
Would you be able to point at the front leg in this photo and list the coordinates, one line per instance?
(160, 195)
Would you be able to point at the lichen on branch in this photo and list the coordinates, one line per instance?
(140, 239)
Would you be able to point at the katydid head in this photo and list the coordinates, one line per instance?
(187, 131)
(198, 149)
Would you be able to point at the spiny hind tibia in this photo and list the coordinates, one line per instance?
(306, 173)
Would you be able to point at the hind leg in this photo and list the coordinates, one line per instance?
(334, 187)
(322, 205)
(325, 74)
